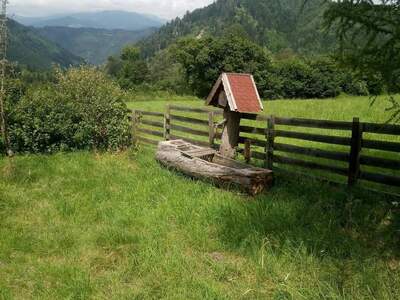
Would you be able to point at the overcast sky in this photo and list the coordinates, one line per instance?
(167, 9)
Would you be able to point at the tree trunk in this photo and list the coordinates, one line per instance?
(230, 134)
(212, 166)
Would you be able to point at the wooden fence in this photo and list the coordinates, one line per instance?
(263, 142)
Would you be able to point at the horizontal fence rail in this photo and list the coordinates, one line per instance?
(263, 141)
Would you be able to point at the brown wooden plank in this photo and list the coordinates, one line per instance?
(254, 142)
(195, 142)
(189, 130)
(147, 140)
(309, 165)
(189, 120)
(382, 128)
(310, 123)
(150, 113)
(314, 137)
(381, 145)
(151, 132)
(384, 163)
(152, 123)
(191, 109)
(254, 117)
(340, 156)
(254, 130)
(380, 178)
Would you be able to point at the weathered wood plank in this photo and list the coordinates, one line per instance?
(151, 132)
(254, 130)
(189, 120)
(193, 141)
(191, 109)
(150, 113)
(152, 123)
(189, 130)
(381, 145)
(254, 142)
(311, 123)
(384, 163)
(390, 129)
(380, 178)
(340, 156)
(254, 117)
(314, 137)
(310, 165)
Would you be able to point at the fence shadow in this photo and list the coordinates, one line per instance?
(326, 220)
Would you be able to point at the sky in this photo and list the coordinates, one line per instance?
(167, 9)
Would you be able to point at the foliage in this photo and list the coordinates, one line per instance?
(204, 59)
(370, 39)
(275, 24)
(30, 49)
(81, 110)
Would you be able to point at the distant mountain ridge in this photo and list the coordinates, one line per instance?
(101, 20)
(28, 48)
(94, 45)
(276, 25)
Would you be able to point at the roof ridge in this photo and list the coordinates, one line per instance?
(240, 74)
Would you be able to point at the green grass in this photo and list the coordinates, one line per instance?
(119, 226)
(343, 108)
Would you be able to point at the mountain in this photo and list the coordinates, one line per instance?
(101, 20)
(275, 24)
(29, 48)
(94, 45)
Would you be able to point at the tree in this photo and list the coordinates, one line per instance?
(134, 71)
(369, 35)
(204, 59)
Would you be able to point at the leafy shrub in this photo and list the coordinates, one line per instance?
(82, 110)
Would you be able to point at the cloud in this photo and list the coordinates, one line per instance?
(164, 8)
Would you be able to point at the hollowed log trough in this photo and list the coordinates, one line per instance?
(206, 163)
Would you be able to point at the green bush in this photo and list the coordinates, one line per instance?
(82, 110)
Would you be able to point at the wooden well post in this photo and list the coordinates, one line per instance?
(235, 94)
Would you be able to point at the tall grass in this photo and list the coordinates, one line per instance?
(119, 226)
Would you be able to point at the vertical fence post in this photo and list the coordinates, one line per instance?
(247, 150)
(167, 123)
(355, 151)
(269, 148)
(135, 121)
(211, 129)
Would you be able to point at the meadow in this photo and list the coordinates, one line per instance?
(89, 225)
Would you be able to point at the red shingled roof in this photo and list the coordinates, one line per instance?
(240, 90)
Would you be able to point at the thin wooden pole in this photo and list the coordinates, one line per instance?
(247, 151)
(355, 151)
(167, 123)
(135, 127)
(211, 129)
(269, 148)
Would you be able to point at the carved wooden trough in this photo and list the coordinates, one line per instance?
(206, 163)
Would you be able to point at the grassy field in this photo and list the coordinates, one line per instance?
(343, 108)
(118, 226)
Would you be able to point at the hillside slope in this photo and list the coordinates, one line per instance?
(29, 48)
(94, 45)
(101, 20)
(278, 25)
